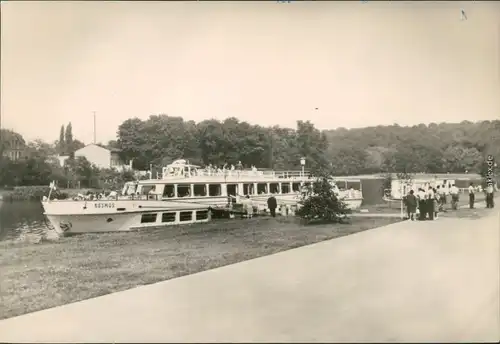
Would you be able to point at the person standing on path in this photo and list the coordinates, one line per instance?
(272, 204)
(411, 205)
(489, 196)
(471, 196)
(421, 204)
(430, 203)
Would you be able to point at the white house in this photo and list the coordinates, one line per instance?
(101, 157)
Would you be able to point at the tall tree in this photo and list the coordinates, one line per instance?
(311, 144)
(61, 146)
(68, 139)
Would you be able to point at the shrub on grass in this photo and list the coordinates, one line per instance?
(319, 204)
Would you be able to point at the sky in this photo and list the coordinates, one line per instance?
(337, 64)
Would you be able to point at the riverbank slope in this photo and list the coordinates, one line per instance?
(53, 273)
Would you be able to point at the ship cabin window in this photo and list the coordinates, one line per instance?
(307, 186)
(147, 189)
(200, 190)
(202, 215)
(148, 218)
(295, 187)
(354, 185)
(214, 190)
(131, 188)
(247, 189)
(261, 189)
(168, 217)
(183, 190)
(169, 191)
(285, 188)
(274, 187)
(232, 189)
(185, 216)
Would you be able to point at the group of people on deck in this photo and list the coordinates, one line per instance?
(212, 170)
(428, 202)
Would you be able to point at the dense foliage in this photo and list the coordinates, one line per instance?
(40, 166)
(318, 202)
(433, 148)
(76, 173)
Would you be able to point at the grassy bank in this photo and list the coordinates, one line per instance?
(39, 276)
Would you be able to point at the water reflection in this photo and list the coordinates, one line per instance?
(20, 218)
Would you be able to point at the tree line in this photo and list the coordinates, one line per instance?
(160, 139)
(434, 148)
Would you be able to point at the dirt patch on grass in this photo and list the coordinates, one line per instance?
(383, 208)
(394, 207)
(466, 213)
(49, 274)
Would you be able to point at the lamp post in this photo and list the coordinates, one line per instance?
(303, 164)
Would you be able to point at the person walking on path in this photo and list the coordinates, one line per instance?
(435, 202)
(439, 198)
(454, 197)
(272, 204)
(442, 193)
(489, 196)
(411, 205)
(421, 204)
(471, 196)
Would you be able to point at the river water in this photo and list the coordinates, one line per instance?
(20, 218)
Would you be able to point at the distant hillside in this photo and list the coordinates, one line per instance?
(444, 147)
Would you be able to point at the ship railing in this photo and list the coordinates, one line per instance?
(244, 173)
(150, 197)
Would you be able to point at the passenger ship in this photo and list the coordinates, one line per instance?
(184, 194)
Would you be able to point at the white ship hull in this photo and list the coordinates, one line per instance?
(118, 216)
(92, 223)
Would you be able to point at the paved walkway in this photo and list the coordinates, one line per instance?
(413, 281)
